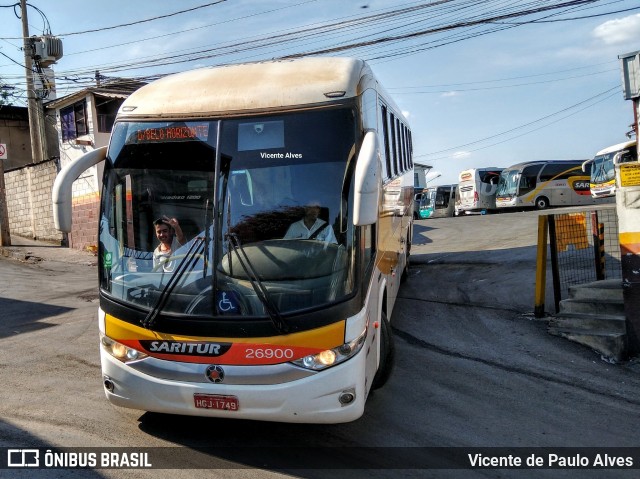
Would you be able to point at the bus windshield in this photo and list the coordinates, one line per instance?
(508, 183)
(603, 169)
(272, 236)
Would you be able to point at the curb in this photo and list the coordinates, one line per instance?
(19, 254)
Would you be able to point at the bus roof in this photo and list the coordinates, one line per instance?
(617, 147)
(486, 168)
(519, 166)
(250, 87)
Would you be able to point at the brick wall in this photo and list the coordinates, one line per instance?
(86, 206)
(28, 192)
(84, 232)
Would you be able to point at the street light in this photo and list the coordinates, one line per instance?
(431, 179)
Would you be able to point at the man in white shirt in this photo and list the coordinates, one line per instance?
(311, 227)
(171, 237)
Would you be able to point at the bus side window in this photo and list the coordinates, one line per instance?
(368, 241)
(628, 155)
(529, 178)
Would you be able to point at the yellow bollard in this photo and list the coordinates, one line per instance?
(541, 266)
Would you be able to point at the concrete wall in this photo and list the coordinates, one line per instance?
(28, 193)
(14, 132)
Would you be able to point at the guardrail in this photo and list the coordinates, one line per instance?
(584, 246)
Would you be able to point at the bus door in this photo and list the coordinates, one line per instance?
(528, 183)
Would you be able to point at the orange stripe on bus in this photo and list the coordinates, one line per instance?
(630, 243)
(325, 337)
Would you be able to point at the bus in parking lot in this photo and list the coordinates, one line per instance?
(477, 190)
(259, 317)
(603, 167)
(438, 201)
(542, 184)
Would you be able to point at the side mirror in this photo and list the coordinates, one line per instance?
(62, 193)
(368, 176)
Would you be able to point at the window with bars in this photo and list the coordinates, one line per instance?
(73, 121)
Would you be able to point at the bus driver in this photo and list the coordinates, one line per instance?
(311, 227)
(171, 237)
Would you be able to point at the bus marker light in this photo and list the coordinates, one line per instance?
(347, 397)
(376, 324)
(335, 94)
(108, 384)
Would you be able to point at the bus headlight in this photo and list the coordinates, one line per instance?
(120, 351)
(331, 357)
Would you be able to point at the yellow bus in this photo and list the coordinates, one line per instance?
(259, 316)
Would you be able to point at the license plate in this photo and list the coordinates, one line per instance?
(216, 401)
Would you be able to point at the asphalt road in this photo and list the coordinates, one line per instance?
(474, 369)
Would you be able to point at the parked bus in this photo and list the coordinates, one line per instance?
(439, 201)
(603, 167)
(541, 184)
(421, 205)
(251, 322)
(477, 190)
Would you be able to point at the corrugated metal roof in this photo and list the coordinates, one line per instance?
(116, 89)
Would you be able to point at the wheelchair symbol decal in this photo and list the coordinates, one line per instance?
(227, 302)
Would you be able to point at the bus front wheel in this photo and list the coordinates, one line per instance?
(542, 203)
(387, 353)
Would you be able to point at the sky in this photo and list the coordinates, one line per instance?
(480, 85)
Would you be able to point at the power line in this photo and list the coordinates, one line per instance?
(450, 90)
(300, 36)
(143, 21)
(14, 61)
(583, 17)
(130, 23)
(447, 14)
(191, 29)
(444, 28)
(519, 77)
(609, 93)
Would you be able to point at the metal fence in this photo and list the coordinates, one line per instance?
(584, 247)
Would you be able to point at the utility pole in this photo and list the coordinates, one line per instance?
(33, 104)
(5, 235)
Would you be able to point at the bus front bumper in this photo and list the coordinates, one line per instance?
(506, 202)
(312, 399)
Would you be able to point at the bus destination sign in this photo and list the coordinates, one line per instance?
(185, 132)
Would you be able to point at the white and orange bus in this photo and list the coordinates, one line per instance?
(250, 323)
(477, 190)
(603, 167)
(544, 184)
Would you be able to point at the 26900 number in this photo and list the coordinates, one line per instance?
(269, 353)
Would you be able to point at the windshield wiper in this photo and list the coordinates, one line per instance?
(601, 174)
(187, 263)
(262, 293)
